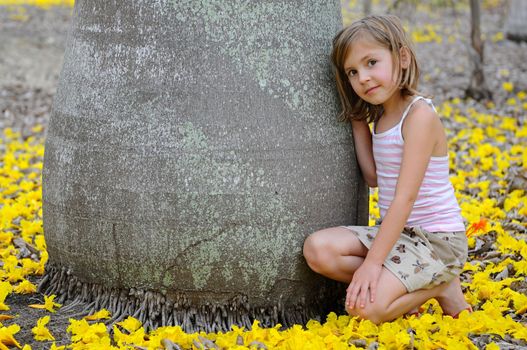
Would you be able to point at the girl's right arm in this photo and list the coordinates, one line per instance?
(364, 151)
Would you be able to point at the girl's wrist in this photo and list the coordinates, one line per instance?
(373, 260)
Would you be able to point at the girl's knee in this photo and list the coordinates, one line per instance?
(315, 249)
(371, 312)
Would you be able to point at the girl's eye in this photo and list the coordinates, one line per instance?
(371, 63)
(352, 73)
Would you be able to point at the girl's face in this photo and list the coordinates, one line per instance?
(369, 67)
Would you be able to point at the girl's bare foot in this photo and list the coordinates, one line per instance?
(416, 311)
(451, 298)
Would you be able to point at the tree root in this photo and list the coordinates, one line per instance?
(155, 309)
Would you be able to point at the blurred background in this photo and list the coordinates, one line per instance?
(33, 35)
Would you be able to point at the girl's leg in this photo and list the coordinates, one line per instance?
(451, 299)
(393, 300)
(335, 253)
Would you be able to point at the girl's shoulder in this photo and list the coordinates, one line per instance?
(422, 105)
(422, 116)
(422, 108)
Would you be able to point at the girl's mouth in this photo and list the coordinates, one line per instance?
(370, 90)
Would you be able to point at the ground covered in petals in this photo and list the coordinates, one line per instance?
(488, 162)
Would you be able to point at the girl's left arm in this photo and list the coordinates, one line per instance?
(420, 133)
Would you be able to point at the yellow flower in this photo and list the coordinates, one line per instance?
(497, 37)
(102, 314)
(392, 333)
(81, 331)
(520, 303)
(15, 274)
(508, 124)
(508, 86)
(7, 335)
(30, 229)
(513, 200)
(40, 242)
(55, 347)
(40, 331)
(25, 287)
(49, 304)
(30, 267)
(521, 95)
(521, 132)
(5, 290)
(37, 128)
(135, 337)
(6, 317)
(78, 327)
(130, 324)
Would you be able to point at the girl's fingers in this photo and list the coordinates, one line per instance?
(373, 291)
(363, 295)
(349, 298)
(348, 294)
(354, 295)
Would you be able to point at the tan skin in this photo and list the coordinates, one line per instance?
(336, 252)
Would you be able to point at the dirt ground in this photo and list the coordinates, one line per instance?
(32, 45)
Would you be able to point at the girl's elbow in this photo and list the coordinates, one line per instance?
(370, 176)
(371, 181)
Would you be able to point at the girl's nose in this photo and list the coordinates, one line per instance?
(363, 77)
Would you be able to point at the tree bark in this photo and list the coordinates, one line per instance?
(516, 23)
(477, 88)
(366, 7)
(191, 149)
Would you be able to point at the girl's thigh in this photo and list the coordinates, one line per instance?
(336, 240)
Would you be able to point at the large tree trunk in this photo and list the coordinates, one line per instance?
(192, 147)
(366, 7)
(516, 23)
(477, 88)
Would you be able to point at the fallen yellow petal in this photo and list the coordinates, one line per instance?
(25, 287)
(40, 331)
(131, 324)
(55, 347)
(102, 314)
(48, 304)
(7, 335)
(5, 290)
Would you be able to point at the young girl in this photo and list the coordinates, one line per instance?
(420, 247)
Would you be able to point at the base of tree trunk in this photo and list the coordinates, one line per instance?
(517, 36)
(515, 25)
(155, 309)
(478, 93)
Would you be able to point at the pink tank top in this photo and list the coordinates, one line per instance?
(436, 208)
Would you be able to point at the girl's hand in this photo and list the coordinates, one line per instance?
(364, 279)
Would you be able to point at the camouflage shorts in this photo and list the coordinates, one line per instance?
(421, 259)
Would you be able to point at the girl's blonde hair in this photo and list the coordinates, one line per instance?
(387, 31)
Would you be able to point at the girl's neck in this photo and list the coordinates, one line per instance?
(395, 106)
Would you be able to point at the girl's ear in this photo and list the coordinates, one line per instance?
(405, 57)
